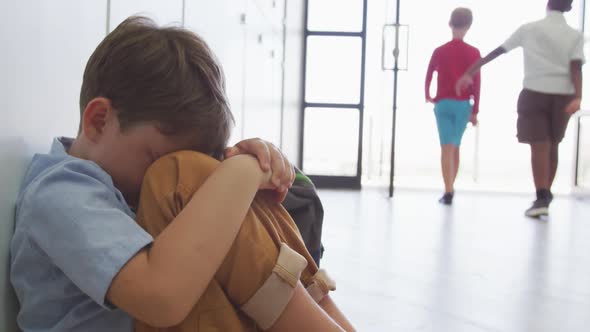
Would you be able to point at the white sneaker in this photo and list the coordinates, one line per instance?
(539, 208)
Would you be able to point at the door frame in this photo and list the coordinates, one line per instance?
(325, 181)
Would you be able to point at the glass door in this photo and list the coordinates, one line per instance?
(334, 80)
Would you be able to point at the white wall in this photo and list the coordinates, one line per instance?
(163, 12)
(293, 78)
(226, 37)
(45, 46)
(248, 42)
(263, 72)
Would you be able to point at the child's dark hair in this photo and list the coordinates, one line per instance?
(461, 18)
(166, 76)
(560, 5)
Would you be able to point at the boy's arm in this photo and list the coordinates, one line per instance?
(162, 283)
(428, 80)
(304, 314)
(576, 76)
(467, 78)
(476, 93)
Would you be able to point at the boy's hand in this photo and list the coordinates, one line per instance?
(463, 83)
(573, 106)
(270, 159)
(473, 119)
(429, 100)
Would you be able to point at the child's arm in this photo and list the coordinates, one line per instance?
(514, 41)
(476, 95)
(304, 314)
(429, 73)
(576, 75)
(467, 79)
(162, 283)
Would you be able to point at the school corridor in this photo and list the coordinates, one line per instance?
(338, 86)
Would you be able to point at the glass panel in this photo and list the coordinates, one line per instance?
(331, 149)
(335, 15)
(584, 153)
(333, 73)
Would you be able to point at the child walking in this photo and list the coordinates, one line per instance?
(453, 111)
(552, 91)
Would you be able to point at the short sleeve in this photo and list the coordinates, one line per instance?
(80, 224)
(434, 60)
(515, 40)
(578, 50)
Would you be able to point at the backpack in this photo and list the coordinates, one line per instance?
(305, 207)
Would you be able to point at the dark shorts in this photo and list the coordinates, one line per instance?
(542, 116)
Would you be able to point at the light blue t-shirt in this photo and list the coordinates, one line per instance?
(74, 232)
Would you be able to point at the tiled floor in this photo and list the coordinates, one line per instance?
(409, 264)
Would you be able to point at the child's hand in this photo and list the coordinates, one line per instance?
(473, 119)
(573, 106)
(270, 159)
(429, 100)
(463, 83)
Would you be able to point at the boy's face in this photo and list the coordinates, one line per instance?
(126, 155)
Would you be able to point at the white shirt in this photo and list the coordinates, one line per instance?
(549, 46)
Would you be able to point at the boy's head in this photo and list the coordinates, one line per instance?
(461, 19)
(560, 5)
(148, 91)
(165, 76)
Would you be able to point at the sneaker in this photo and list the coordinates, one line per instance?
(545, 194)
(539, 208)
(446, 199)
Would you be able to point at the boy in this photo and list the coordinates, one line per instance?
(80, 262)
(552, 91)
(453, 111)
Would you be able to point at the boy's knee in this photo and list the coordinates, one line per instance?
(188, 168)
(168, 185)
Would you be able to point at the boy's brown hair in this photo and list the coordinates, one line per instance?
(461, 18)
(167, 76)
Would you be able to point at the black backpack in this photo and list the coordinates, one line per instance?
(304, 206)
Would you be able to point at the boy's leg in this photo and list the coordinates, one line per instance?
(463, 111)
(260, 271)
(448, 166)
(534, 128)
(559, 122)
(445, 124)
(540, 162)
